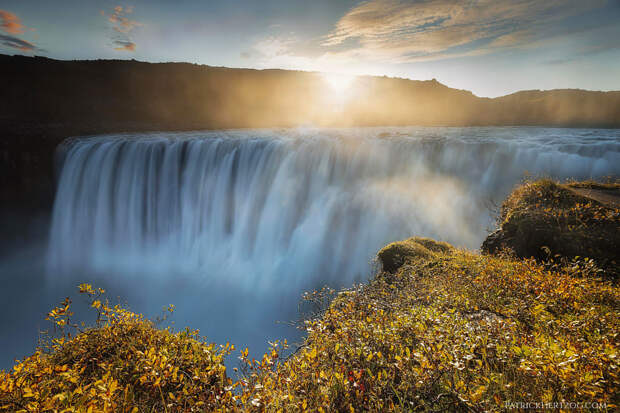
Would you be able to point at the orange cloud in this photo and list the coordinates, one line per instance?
(10, 23)
(125, 46)
(121, 23)
(122, 26)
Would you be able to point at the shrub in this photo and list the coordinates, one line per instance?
(454, 331)
(123, 364)
(446, 331)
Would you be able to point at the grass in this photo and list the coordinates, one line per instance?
(436, 329)
(610, 184)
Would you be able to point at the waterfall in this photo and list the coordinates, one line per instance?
(268, 208)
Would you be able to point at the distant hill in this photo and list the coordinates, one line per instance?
(43, 101)
(176, 94)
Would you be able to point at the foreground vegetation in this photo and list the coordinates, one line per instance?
(438, 329)
(122, 364)
(452, 330)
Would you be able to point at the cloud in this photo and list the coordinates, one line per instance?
(273, 46)
(125, 46)
(289, 52)
(122, 26)
(285, 52)
(16, 43)
(406, 31)
(121, 23)
(10, 23)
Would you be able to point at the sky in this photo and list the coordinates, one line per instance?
(490, 47)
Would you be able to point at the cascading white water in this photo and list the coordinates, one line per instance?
(267, 208)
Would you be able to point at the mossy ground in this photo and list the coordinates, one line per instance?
(548, 220)
(438, 329)
(395, 255)
(610, 184)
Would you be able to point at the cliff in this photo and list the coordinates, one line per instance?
(548, 220)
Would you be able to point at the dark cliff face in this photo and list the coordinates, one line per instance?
(43, 101)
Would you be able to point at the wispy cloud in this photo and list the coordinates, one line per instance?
(274, 46)
(121, 23)
(287, 51)
(377, 32)
(17, 43)
(125, 46)
(424, 30)
(13, 26)
(122, 26)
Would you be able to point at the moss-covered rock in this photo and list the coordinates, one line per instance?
(545, 219)
(395, 255)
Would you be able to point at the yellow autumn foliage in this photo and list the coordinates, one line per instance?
(456, 331)
(441, 329)
(123, 364)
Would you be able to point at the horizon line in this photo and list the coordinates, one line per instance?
(310, 72)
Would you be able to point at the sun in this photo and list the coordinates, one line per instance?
(339, 83)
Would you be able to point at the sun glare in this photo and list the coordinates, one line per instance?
(338, 82)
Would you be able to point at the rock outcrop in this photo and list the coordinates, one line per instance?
(547, 220)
